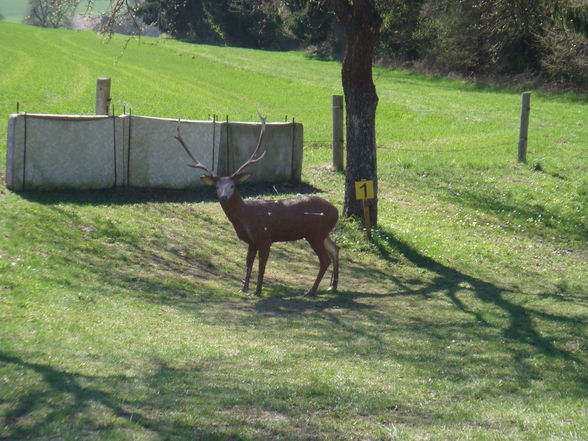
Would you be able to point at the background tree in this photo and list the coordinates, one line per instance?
(315, 26)
(510, 37)
(246, 23)
(403, 37)
(249, 23)
(185, 19)
(361, 24)
(50, 13)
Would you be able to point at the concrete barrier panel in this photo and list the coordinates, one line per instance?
(94, 152)
(63, 152)
(157, 160)
(282, 143)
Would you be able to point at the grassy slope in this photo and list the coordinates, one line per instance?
(464, 319)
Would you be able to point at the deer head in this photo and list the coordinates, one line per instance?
(225, 185)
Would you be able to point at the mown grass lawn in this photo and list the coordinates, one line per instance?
(464, 319)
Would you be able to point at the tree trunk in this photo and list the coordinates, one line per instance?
(361, 23)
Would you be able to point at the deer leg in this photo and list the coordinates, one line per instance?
(251, 253)
(264, 251)
(324, 260)
(333, 251)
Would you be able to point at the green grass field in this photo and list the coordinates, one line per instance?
(465, 318)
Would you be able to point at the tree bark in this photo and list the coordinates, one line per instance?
(361, 23)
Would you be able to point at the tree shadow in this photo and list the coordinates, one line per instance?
(357, 321)
(198, 401)
(282, 300)
(93, 404)
(450, 281)
(56, 382)
(459, 289)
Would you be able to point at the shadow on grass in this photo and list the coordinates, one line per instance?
(284, 300)
(134, 195)
(205, 401)
(69, 405)
(361, 323)
(181, 275)
(451, 284)
(168, 269)
(56, 383)
(450, 281)
(226, 402)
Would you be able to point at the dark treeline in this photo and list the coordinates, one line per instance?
(545, 38)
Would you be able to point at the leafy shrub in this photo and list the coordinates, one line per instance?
(565, 58)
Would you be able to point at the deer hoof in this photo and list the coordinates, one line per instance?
(310, 294)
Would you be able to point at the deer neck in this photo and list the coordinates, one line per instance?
(233, 207)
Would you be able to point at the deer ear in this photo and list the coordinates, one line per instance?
(208, 180)
(241, 177)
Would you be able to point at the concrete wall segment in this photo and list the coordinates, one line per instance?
(62, 152)
(157, 159)
(63, 155)
(239, 141)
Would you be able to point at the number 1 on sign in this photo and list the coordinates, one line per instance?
(364, 188)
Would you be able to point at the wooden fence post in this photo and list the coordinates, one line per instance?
(102, 95)
(337, 111)
(524, 131)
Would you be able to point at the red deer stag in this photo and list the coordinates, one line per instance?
(261, 223)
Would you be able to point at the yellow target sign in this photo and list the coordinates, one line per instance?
(364, 190)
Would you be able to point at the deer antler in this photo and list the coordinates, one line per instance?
(197, 163)
(251, 160)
